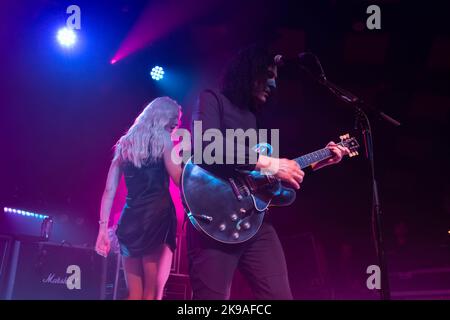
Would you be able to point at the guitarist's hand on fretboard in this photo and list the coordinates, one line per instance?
(338, 151)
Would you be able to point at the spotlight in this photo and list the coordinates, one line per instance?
(66, 37)
(157, 73)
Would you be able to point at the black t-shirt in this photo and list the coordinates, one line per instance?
(222, 115)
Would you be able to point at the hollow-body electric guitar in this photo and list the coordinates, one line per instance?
(231, 209)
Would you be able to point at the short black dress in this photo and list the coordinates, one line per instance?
(148, 219)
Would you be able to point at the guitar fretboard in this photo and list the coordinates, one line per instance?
(310, 158)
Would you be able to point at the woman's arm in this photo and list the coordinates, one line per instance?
(103, 244)
(172, 168)
(112, 182)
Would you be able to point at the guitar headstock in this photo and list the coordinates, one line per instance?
(350, 143)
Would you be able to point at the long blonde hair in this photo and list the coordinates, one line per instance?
(143, 142)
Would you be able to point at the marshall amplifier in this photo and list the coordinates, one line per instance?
(51, 271)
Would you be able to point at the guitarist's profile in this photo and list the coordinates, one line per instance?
(246, 86)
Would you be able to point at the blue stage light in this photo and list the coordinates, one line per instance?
(157, 73)
(25, 213)
(66, 37)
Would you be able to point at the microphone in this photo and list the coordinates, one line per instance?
(281, 61)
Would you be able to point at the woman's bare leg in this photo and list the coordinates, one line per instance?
(135, 277)
(156, 272)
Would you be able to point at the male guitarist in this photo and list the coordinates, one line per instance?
(245, 89)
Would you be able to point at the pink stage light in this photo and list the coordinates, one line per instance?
(158, 20)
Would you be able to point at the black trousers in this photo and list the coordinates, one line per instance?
(261, 261)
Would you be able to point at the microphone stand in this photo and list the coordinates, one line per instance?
(362, 121)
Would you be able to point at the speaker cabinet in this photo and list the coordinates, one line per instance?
(50, 271)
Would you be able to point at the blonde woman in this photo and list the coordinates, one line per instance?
(147, 227)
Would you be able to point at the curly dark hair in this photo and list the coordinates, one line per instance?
(249, 65)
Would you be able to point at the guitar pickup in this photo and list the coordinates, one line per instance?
(250, 183)
(235, 188)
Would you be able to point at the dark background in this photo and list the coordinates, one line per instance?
(61, 113)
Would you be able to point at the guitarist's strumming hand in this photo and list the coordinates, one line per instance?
(284, 169)
(338, 153)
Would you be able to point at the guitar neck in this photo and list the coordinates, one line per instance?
(310, 158)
